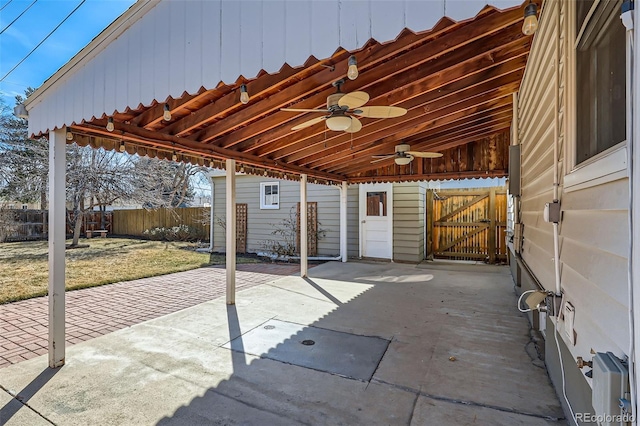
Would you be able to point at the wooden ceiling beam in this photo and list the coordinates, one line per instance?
(457, 35)
(277, 99)
(262, 86)
(427, 176)
(514, 56)
(303, 89)
(459, 135)
(154, 115)
(135, 134)
(439, 104)
(442, 134)
(463, 132)
(403, 70)
(419, 122)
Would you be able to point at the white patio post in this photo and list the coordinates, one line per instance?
(211, 216)
(343, 221)
(304, 269)
(231, 232)
(57, 237)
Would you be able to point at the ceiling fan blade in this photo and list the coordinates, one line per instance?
(356, 126)
(304, 110)
(382, 158)
(308, 123)
(424, 154)
(354, 99)
(380, 111)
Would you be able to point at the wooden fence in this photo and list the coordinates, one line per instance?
(29, 225)
(469, 224)
(135, 222)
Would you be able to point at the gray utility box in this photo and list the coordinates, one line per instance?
(610, 386)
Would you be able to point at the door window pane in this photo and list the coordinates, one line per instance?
(376, 203)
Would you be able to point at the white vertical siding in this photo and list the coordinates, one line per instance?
(170, 47)
(593, 231)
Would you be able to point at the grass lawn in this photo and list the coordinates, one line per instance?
(24, 265)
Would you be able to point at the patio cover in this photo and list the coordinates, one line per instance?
(453, 73)
(454, 65)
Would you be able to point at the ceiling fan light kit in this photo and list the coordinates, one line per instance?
(404, 160)
(404, 155)
(342, 109)
(339, 123)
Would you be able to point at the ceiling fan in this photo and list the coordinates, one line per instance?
(404, 155)
(341, 108)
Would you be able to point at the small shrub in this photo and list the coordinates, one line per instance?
(175, 233)
(284, 247)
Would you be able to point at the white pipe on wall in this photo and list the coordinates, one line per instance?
(556, 140)
(343, 221)
(634, 215)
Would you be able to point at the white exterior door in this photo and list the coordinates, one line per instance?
(376, 220)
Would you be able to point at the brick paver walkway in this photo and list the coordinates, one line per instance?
(95, 311)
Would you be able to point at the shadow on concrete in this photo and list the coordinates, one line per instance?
(322, 291)
(457, 355)
(238, 358)
(22, 398)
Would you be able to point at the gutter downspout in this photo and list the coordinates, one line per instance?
(627, 16)
(556, 180)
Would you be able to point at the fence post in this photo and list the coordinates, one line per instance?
(492, 225)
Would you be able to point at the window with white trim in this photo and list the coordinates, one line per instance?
(25, 207)
(600, 78)
(269, 195)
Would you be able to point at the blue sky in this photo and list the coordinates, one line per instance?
(22, 36)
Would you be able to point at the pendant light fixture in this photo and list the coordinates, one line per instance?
(244, 95)
(352, 72)
(530, 24)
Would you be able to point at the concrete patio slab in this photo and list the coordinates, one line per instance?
(345, 354)
(11, 407)
(457, 356)
(96, 311)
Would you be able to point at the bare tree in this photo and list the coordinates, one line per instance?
(95, 178)
(24, 162)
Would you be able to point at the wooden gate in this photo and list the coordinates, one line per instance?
(470, 224)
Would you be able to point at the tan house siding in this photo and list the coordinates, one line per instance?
(536, 134)
(261, 222)
(593, 230)
(408, 221)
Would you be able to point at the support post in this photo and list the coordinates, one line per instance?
(231, 231)
(343, 221)
(211, 211)
(57, 239)
(492, 226)
(304, 233)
